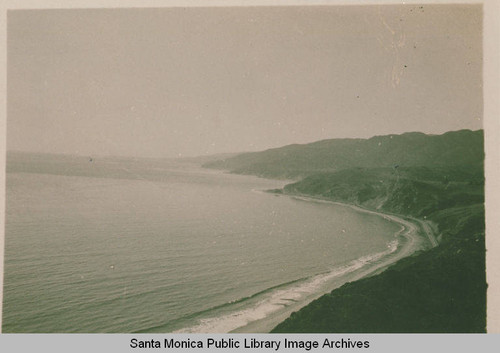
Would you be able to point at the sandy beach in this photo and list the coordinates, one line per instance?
(413, 235)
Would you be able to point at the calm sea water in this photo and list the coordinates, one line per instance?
(119, 245)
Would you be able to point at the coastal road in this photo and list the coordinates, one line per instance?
(409, 230)
(428, 231)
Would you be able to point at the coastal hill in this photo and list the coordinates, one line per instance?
(434, 181)
(439, 290)
(414, 191)
(462, 147)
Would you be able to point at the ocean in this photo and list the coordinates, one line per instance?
(138, 245)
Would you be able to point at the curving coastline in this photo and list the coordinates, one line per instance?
(276, 305)
(409, 240)
(439, 290)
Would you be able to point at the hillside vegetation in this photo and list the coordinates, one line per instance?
(463, 148)
(415, 191)
(439, 290)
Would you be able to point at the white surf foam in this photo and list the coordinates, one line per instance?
(280, 298)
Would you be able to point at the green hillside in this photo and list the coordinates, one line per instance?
(414, 191)
(439, 290)
(463, 147)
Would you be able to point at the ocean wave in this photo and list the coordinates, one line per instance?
(274, 299)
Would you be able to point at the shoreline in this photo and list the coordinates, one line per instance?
(414, 241)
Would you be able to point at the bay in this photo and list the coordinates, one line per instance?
(121, 245)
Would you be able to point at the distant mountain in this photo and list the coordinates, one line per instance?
(412, 149)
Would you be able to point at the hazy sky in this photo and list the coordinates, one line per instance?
(194, 81)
